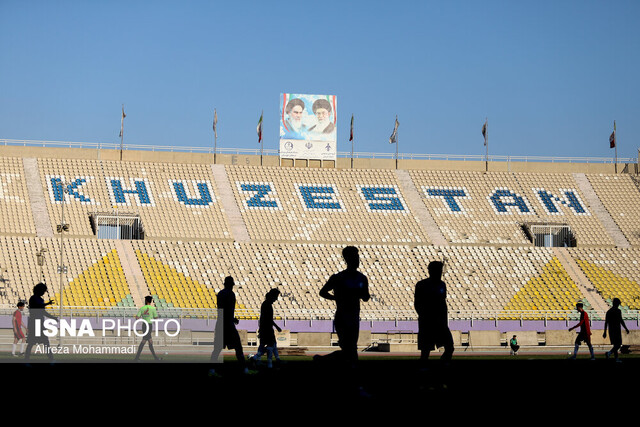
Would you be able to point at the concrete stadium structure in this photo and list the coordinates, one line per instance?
(272, 223)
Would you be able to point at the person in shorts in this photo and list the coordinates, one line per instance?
(18, 329)
(430, 302)
(585, 332)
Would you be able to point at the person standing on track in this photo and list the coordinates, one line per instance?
(614, 321)
(430, 302)
(18, 329)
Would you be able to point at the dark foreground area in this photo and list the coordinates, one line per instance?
(309, 388)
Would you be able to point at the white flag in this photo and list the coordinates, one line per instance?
(122, 122)
(394, 136)
(215, 123)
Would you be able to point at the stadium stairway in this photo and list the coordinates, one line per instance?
(599, 210)
(238, 227)
(417, 206)
(132, 271)
(580, 279)
(36, 198)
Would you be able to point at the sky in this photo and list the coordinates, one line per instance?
(550, 77)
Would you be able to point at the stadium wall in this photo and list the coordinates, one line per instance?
(382, 336)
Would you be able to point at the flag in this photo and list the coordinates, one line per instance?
(484, 132)
(215, 123)
(122, 122)
(259, 129)
(351, 134)
(612, 138)
(394, 136)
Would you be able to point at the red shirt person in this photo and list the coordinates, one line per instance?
(18, 329)
(585, 332)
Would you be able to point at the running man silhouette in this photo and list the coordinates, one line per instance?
(614, 321)
(147, 313)
(226, 333)
(347, 288)
(585, 332)
(37, 313)
(265, 329)
(433, 324)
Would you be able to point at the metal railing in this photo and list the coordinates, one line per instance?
(343, 154)
(328, 314)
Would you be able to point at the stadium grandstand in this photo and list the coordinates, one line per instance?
(522, 241)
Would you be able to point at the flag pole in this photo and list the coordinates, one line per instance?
(352, 154)
(215, 135)
(397, 139)
(396, 144)
(260, 136)
(616, 147)
(351, 139)
(393, 139)
(122, 131)
(486, 144)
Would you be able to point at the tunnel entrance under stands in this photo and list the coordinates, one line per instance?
(117, 226)
(550, 235)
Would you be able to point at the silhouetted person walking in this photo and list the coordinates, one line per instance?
(265, 328)
(227, 335)
(37, 314)
(585, 332)
(433, 322)
(615, 322)
(347, 288)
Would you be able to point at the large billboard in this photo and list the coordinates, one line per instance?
(308, 126)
